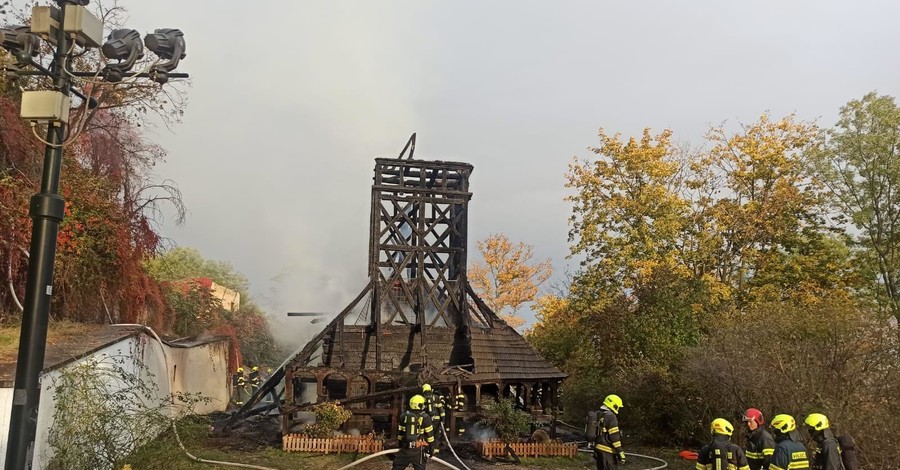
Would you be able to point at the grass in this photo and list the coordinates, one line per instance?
(582, 460)
(165, 453)
(58, 331)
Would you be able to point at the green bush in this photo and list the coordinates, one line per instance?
(107, 407)
(329, 418)
(503, 417)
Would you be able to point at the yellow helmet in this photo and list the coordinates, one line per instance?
(721, 426)
(416, 402)
(426, 388)
(613, 402)
(784, 423)
(817, 421)
(255, 368)
(240, 369)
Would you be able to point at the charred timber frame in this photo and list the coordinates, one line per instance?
(417, 286)
(417, 249)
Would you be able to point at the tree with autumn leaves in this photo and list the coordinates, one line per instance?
(507, 277)
(777, 236)
(114, 203)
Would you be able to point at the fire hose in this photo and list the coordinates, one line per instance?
(664, 464)
(447, 440)
(642, 456)
(392, 451)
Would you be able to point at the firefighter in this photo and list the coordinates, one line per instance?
(789, 453)
(415, 435)
(608, 450)
(828, 453)
(721, 453)
(239, 382)
(254, 379)
(434, 406)
(459, 405)
(760, 443)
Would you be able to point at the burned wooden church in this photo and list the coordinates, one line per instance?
(417, 320)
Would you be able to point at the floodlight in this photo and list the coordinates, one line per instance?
(168, 44)
(125, 46)
(20, 42)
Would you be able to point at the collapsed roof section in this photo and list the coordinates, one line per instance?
(418, 319)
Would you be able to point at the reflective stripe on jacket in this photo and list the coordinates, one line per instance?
(760, 447)
(415, 425)
(789, 455)
(722, 454)
(609, 439)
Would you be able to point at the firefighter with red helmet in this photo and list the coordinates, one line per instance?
(760, 443)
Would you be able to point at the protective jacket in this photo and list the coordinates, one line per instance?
(416, 436)
(434, 406)
(459, 403)
(722, 454)
(828, 453)
(760, 447)
(609, 438)
(415, 426)
(789, 454)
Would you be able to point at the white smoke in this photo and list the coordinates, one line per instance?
(480, 432)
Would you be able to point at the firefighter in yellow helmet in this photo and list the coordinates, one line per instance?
(721, 453)
(238, 386)
(828, 453)
(790, 453)
(254, 379)
(415, 435)
(608, 450)
(459, 406)
(434, 406)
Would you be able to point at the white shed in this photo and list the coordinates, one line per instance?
(195, 365)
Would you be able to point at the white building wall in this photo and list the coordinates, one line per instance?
(6, 395)
(201, 369)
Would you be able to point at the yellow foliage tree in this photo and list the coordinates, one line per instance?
(758, 197)
(628, 216)
(507, 278)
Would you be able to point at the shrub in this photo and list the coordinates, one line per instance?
(329, 418)
(503, 417)
(106, 407)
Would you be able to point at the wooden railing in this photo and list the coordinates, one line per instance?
(490, 449)
(367, 444)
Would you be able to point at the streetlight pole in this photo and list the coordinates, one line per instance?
(47, 208)
(46, 211)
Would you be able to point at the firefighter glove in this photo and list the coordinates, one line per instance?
(622, 458)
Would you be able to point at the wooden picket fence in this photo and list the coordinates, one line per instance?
(492, 448)
(367, 444)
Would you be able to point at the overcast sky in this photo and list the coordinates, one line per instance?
(292, 100)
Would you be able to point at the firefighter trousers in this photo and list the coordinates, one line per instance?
(407, 457)
(605, 460)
